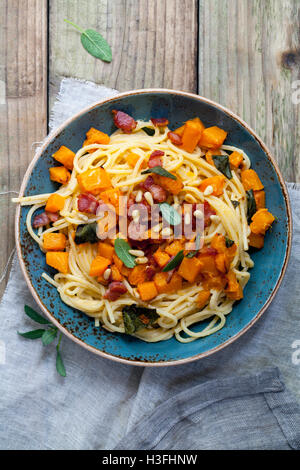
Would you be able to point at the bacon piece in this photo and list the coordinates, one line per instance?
(115, 290)
(159, 194)
(40, 220)
(87, 203)
(52, 216)
(160, 122)
(124, 121)
(155, 159)
(174, 138)
(208, 211)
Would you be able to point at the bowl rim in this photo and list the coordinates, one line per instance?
(111, 356)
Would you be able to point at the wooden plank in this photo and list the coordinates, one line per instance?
(23, 100)
(154, 44)
(249, 56)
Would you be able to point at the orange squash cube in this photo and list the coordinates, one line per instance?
(212, 137)
(260, 199)
(217, 183)
(164, 287)
(147, 290)
(261, 221)
(250, 180)
(58, 260)
(174, 248)
(137, 275)
(55, 203)
(191, 135)
(115, 274)
(161, 258)
(54, 241)
(190, 268)
(235, 160)
(173, 186)
(222, 262)
(98, 266)
(111, 196)
(256, 240)
(94, 136)
(59, 174)
(208, 264)
(94, 181)
(105, 250)
(132, 159)
(203, 298)
(65, 156)
(214, 281)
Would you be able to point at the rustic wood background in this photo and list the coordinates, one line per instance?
(245, 54)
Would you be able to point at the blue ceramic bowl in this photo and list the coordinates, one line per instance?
(270, 262)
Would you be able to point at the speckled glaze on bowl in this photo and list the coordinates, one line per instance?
(270, 262)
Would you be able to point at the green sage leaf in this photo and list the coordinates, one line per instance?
(86, 233)
(122, 248)
(228, 242)
(94, 43)
(159, 170)
(34, 334)
(223, 165)
(49, 336)
(35, 316)
(60, 364)
(174, 262)
(169, 214)
(251, 205)
(136, 317)
(235, 203)
(148, 130)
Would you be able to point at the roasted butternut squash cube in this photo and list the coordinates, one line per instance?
(191, 135)
(174, 248)
(260, 199)
(59, 174)
(132, 159)
(98, 266)
(208, 264)
(234, 290)
(65, 156)
(111, 196)
(212, 137)
(261, 221)
(222, 262)
(54, 241)
(164, 287)
(106, 250)
(94, 136)
(256, 240)
(202, 298)
(172, 186)
(58, 260)
(137, 275)
(147, 290)
(250, 180)
(216, 182)
(55, 203)
(190, 268)
(214, 281)
(94, 181)
(235, 160)
(161, 258)
(115, 274)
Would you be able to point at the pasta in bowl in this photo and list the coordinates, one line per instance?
(148, 227)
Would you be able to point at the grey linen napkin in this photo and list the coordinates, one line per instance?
(233, 399)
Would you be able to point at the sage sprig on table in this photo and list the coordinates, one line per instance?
(47, 335)
(94, 43)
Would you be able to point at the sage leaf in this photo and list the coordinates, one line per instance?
(149, 130)
(174, 262)
(235, 203)
(136, 317)
(86, 233)
(49, 336)
(222, 164)
(159, 170)
(59, 363)
(34, 334)
(94, 43)
(228, 242)
(35, 316)
(122, 248)
(251, 205)
(169, 214)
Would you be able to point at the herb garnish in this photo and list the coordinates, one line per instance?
(94, 43)
(159, 170)
(169, 214)
(235, 203)
(228, 242)
(86, 233)
(251, 205)
(47, 336)
(149, 130)
(122, 248)
(222, 164)
(174, 262)
(136, 317)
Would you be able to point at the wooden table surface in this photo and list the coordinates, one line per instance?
(245, 54)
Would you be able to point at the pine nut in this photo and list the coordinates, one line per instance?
(198, 214)
(149, 198)
(135, 215)
(136, 252)
(167, 232)
(215, 218)
(157, 228)
(106, 274)
(124, 189)
(142, 260)
(209, 190)
(139, 196)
